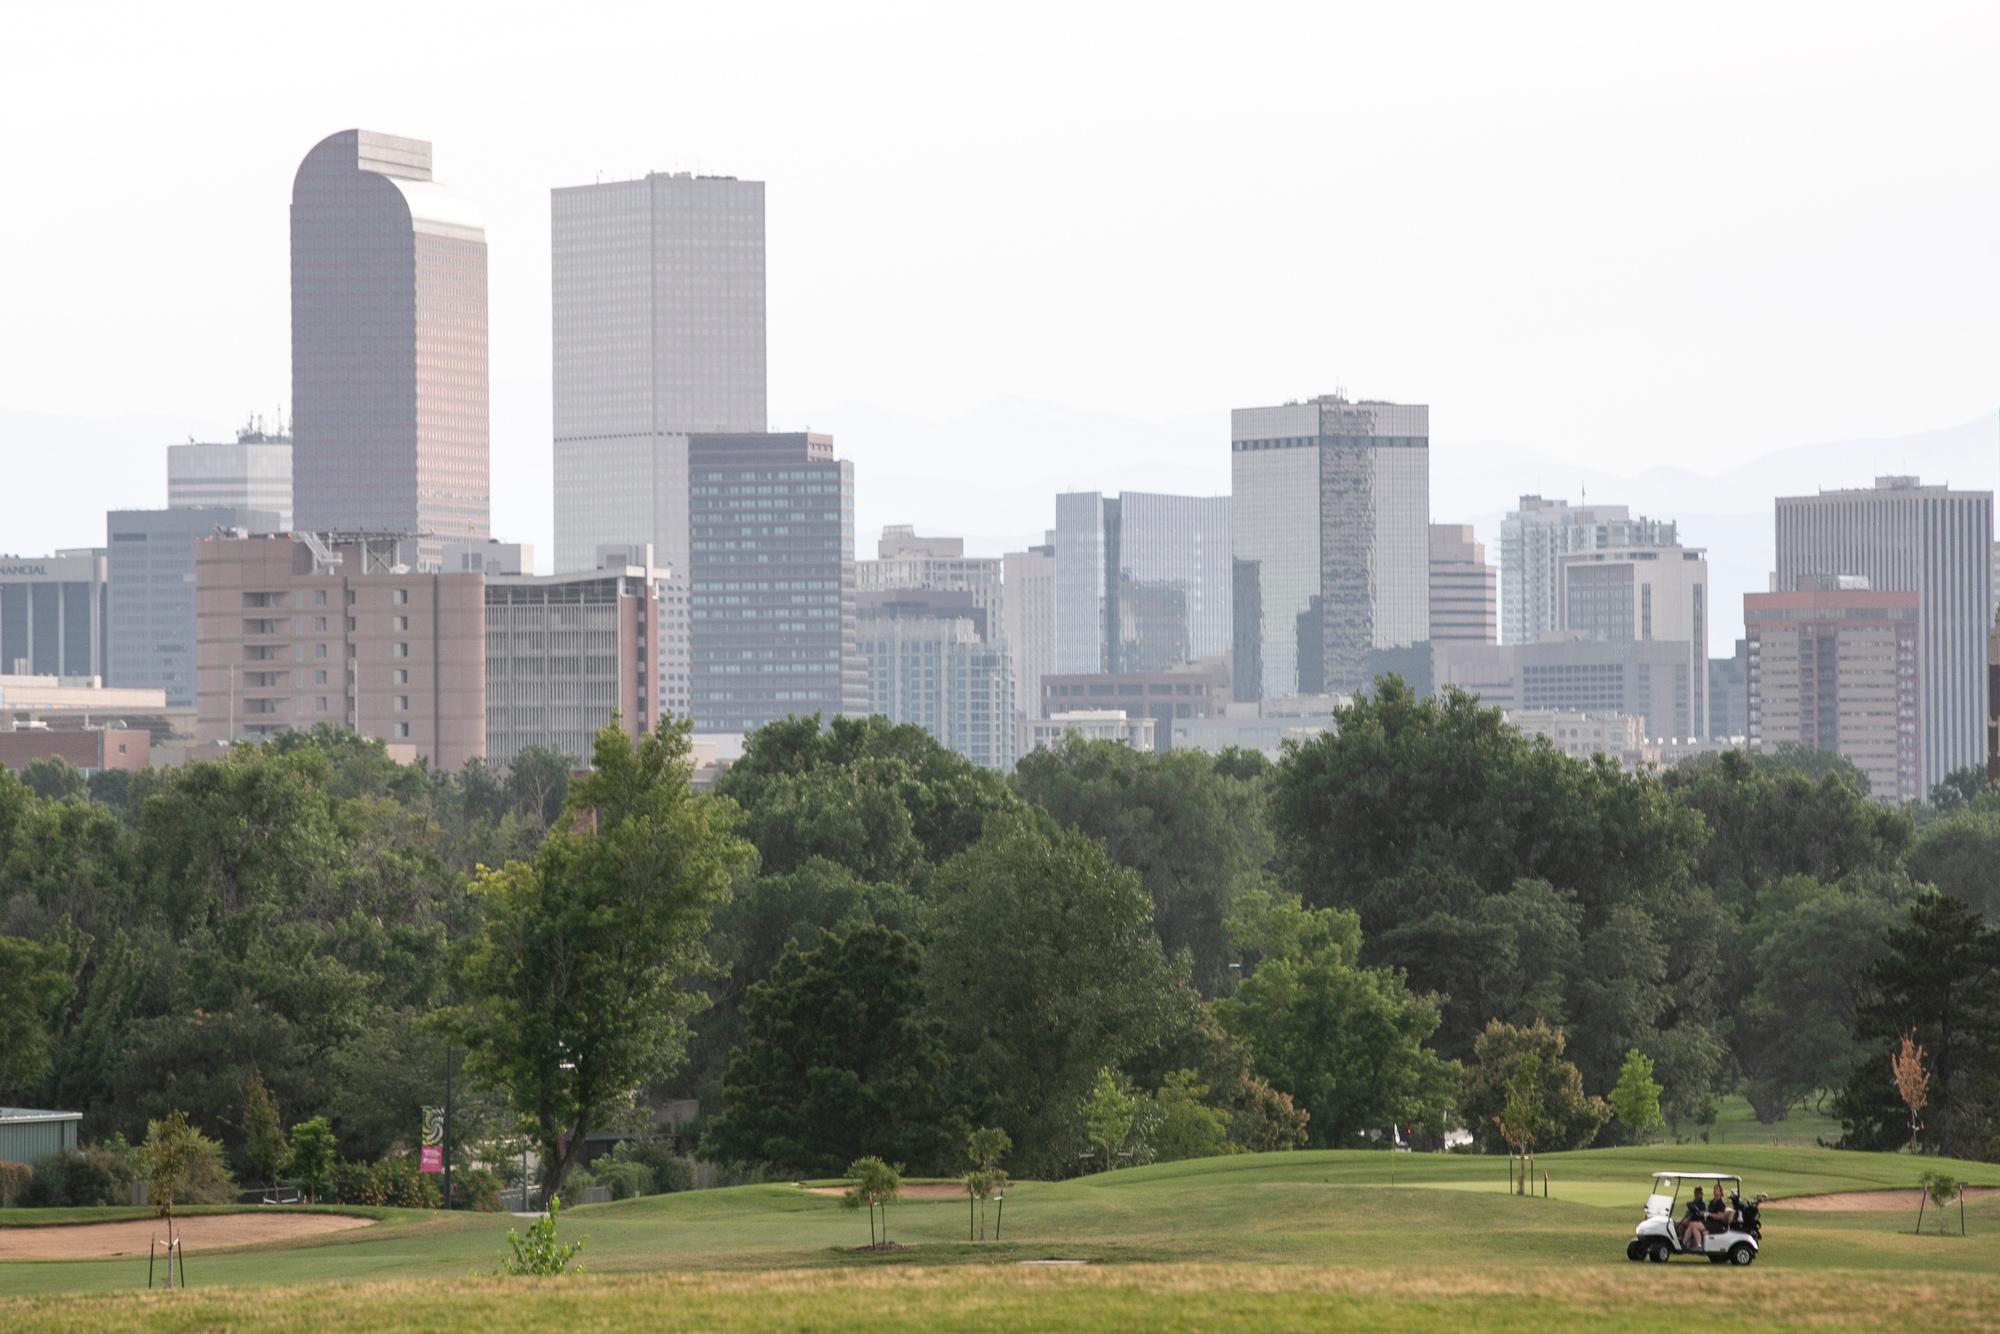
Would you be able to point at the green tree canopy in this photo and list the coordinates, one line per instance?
(1345, 1040)
(576, 991)
(839, 1061)
(1635, 1098)
(1568, 1119)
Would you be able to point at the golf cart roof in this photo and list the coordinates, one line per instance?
(1701, 1176)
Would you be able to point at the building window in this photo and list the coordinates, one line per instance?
(402, 730)
(319, 677)
(401, 597)
(319, 650)
(319, 597)
(319, 704)
(402, 704)
(399, 649)
(400, 623)
(319, 625)
(402, 676)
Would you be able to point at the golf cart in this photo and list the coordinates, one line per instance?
(1658, 1236)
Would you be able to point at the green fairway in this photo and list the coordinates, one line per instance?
(1299, 1237)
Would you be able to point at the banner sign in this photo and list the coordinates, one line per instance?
(431, 1154)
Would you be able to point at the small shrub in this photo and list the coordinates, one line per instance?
(476, 1188)
(671, 1170)
(14, 1181)
(538, 1253)
(626, 1179)
(80, 1178)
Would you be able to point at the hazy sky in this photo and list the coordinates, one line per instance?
(1617, 234)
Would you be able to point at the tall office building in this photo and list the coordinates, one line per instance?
(299, 629)
(1029, 620)
(771, 581)
(1330, 523)
(1650, 594)
(1465, 601)
(1904, 537)
(567, 652)
(1142, 580)
(150, 579)
(1535, 537)
(53, 614)
(253, 472)
(658, 333)
(389, 364)
(933, 662)
(905, 562)
(1833, 666)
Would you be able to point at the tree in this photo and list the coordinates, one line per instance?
(576, 988)
(1913, 1081)
(1957, 855)
(54, 779)
(1196, 835)
(168, 1155)
(984, 1148)
(539, 1254)
(1413, 806)
(263, 1133)
(1346, 1041)
(838, 1061)
(1107, 1111)
(1938, 980)
(1183, 1124)
(1519, 1120)
(1567, 1119)
(874, 1184)
(1635, 1099)
(1266, 1120)
(1041, 962)
(537, 783)
(311, 1160)
(36, 983)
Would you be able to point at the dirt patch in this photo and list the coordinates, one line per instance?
(201, 1232)
(935, 1190)
(1867, 1201)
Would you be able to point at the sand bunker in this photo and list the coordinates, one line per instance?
(1867, 1201)
(930, 1190)
(201, 1232)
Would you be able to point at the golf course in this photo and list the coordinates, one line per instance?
(1247, 1241)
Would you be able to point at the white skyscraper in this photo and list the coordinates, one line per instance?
(253, 473)
(658, 332)
(1029, 621)
(1905, 537)
(1535, 537)
(1330, 526)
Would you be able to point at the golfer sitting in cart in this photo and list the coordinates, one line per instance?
(1709, 1228)
(1694, 1224)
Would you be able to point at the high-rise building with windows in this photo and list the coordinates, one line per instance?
(1905, 537)
(771, 581)
(389, 357)
(1832, 666)
(565, 653)
(934, 663)
(1142, 580)
(658, 333)
(1533, 540)
(299, 629)
(1029, 620)
(1330, 525)
(253, 472)
(150, 574)
(1464, 588)
(1649, 594)
(53, 613)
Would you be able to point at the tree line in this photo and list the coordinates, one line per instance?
(859, 945)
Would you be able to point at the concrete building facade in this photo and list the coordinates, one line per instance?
(1582, 736)
(1465, 590)
(659, 332)
(1089, 724)
(1197, 690)
(1533, 540)
(150, 580)
(299, 629)
(1330, 529)
(1834, 666)
(1651, 594)
(771, 581)
(567, 652)
(54, 614)
(932, 663)
(253, 472)
(91, 749)
(389, 355)
(1028, 620)
(1652, 679)
(1905, 537)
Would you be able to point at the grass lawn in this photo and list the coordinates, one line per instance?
(1272, 1240)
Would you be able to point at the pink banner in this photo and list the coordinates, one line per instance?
(433, 1159)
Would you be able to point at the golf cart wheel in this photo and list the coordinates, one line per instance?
(1661, 1251)
(1635, 1250)
(1742, 1253)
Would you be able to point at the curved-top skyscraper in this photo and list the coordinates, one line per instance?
(389, 357)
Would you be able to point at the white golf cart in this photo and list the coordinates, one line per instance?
(1659, 1235)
